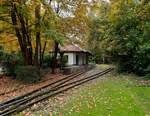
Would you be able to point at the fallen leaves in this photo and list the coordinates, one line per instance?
(15, 88)
(50, 114)
(27, 113)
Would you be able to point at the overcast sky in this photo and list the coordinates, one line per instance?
(68, 13)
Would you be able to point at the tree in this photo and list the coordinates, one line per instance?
(37, 56)
(24, 24)
(98, 30)
(20, 23)
(126, 35)
(52, 19)
(67, 23)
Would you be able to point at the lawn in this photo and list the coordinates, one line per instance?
(114, 95)
(110, 97)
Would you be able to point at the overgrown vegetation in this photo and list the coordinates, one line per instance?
(34, 24)
(10, 61)
(47, 61)
(12, 65)
(28, 74)
(122, 30)
(119, 29)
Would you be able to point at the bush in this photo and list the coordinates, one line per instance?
(147, 76)
(64, 61)
(11, 69)
(28, 74)
(147, 71)
(47, 61)
(137, 62)
(124, 64)
(10, 61)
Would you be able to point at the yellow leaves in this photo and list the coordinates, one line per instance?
(115, 9)
(27, 113)
(95, 9)
(101, 30)
(9, 42)
(81, 10)
(59, 114)
(50, 114)
(91, 105)
(2, 2)
(74, 26)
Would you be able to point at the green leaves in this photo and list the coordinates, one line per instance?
(125, 34)
(53, 34)
(146, 33)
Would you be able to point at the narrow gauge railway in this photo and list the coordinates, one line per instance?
(19, 98)
(22, 102)
(5, 93)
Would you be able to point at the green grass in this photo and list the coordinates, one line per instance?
(104, 66)
(112, 96)
(108, 98)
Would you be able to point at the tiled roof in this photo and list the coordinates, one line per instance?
(72, 48)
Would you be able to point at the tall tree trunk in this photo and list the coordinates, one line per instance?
(61, 60)
(56, 50)
(55, 57)
(42, 54)
(22, 34)
(29, 44)
(38, 36)
(25, 36)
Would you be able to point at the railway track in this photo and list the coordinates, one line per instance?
(67, 78)
(4, 93)
(22, 102)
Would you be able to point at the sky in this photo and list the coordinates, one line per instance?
(68, 13)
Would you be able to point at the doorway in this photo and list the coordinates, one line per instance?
(77, 59)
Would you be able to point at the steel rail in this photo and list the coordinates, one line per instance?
(39, 89)
(43, 91)
(54, 92)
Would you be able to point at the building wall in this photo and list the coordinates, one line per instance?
(72, 58)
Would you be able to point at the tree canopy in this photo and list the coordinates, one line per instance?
(124, 34)
(118, 28)
(32, 22)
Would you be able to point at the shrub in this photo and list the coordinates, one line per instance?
(147, 71)
(10, 61)
(64, 61)
(47, 61)
(137, 62)
(28, 74)
(11, 69)
(147, 76)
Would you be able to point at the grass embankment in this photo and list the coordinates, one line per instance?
(115, 95)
